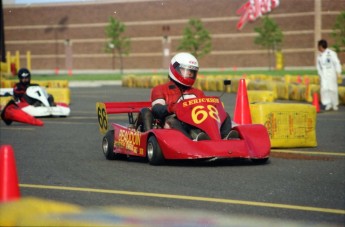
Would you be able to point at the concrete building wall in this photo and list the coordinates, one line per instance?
(54, 32)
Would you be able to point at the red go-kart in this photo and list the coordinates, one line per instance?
(160, 144)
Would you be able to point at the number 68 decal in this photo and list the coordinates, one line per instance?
(199, 114)
(102, 117)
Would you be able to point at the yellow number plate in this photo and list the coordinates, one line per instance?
(102, 117)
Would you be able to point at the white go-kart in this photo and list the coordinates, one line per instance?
(35, 103)
(40, 104)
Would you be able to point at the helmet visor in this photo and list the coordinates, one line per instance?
(187, 71)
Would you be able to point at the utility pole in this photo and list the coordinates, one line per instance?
(318, 25)
(2, 35)
(166, 42)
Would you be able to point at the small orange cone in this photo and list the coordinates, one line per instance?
(242, 110)
(316, 102)
(9, 188)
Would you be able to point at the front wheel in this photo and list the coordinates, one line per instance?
(108, 146)
(154, 152)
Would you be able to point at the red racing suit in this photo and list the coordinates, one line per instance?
(169, 94)
(164, 98)
(19, 90)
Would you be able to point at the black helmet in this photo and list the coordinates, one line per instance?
(24, 73)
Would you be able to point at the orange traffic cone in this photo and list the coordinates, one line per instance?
(9, 188)
(242, 110)
(316, 102)
(12, 112)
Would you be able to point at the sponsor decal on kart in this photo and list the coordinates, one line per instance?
(129, 140)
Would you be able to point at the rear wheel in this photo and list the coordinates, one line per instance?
(154, 152)
(108, 146)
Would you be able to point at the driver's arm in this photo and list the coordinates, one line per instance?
(159, 105)
(160, 111)
(18, 92)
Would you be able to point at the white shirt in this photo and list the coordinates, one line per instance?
(328, 66)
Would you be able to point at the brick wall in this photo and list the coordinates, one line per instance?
(43, 30)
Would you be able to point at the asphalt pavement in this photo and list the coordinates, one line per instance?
(63, 161)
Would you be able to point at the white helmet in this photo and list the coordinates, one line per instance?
(184, 69)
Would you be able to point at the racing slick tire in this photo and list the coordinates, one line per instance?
(108, 146)
(154, 152)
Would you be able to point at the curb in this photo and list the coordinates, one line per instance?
(97, 83)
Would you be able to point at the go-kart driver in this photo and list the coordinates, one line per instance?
(183, 71)
(19, 89)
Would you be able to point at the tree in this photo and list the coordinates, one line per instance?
(196, 39)
(117, 42)
(338, 33)
(270, 37)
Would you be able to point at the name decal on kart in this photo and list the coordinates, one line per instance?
(129, 140)
(196, 101)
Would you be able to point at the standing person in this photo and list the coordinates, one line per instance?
(329, 69)
(183, 72)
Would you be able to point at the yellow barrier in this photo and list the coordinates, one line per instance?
(288, 125)
(267, 85)
(201, 82)
(299, 88)
(60, 94)
(4, 100)
(295, 92)
(3, 68)
(44, 83)
(257, 85)
(282, 90)
(127, 81)
(312, 88)
(28, 211)
(7, 83)
(341, 91)
(219, 80)
(260, 96)
(157, 80)
(53, 83)
(300, 92)
(31, 211)
(305, 79)
(197, 83)
(211, 83)
(311, 79)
